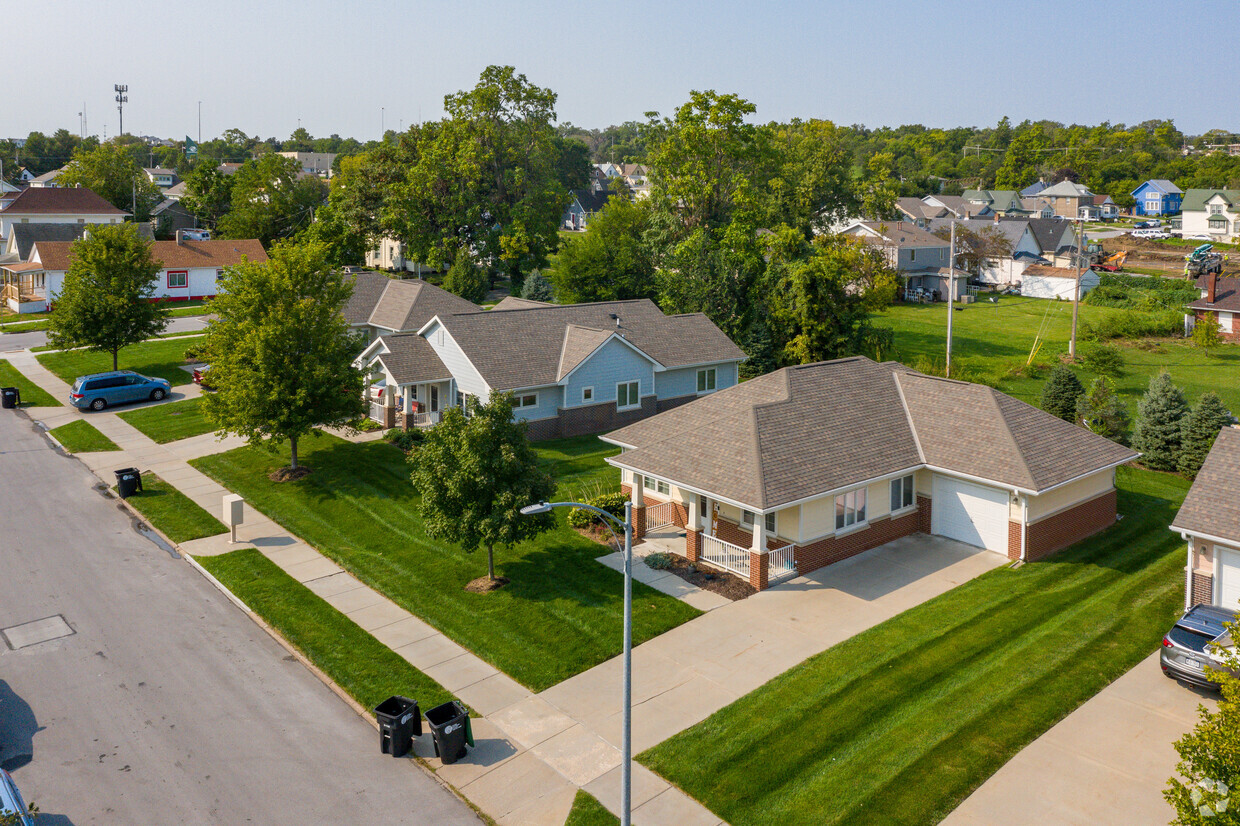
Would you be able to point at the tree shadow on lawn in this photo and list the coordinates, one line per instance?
(911, 343)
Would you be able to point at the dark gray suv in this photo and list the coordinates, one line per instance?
(1189, 648)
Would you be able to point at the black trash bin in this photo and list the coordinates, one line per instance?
(128, 481)
(10, 397)
(399, 722)
(450, 727)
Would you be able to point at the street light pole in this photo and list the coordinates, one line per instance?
(951, 294)
(626, 756)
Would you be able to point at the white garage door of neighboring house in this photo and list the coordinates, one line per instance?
(974, 514)
(1229, 579)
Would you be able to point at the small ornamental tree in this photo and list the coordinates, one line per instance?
(1060, 393)
(105, 301)
(1103, 411)
(1206, 332)
(281, 352)
(1209, 793)
(1159, 415)
(466, 279)
(1198, 431)
(475, 474)
(537, 288)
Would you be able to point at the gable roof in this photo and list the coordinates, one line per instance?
(60, 201)
(579, 344)
(25, 236)
(1048, 232)
(1212, 506)
(919, 210)
(1054, 272)
(896, 234)
(176, 191)
(1033, 189)
(520, 348)
(48, 177)
(804, 431)
(404, 306)
(591, 200)
(410, 358)
(1226, 295)
(1195, 199)
(1066, 189)
(368, 287)
(1160, 184)
(512, 302)
(58, 255)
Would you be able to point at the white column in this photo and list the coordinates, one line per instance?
(759, 533)
(407, 395)
(637, 495)
(695, 514)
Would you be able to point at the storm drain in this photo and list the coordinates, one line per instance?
(37, 631)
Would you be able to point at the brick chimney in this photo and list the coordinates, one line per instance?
(1211, 286)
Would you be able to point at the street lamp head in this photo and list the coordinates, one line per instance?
(534, 510)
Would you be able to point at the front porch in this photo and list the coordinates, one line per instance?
(23, 287)
(407, 406)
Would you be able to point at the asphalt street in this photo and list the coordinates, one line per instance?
(22, 341)
(164, 703)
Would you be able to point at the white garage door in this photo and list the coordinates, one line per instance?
(1229, 579)
(970, 513)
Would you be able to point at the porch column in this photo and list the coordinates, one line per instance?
(407, 405)
(389, 405)
(693, 531)
(639, 509)
(757, 553)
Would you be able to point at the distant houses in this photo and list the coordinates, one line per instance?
(1157, 196)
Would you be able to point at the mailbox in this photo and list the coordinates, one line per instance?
(234, 513)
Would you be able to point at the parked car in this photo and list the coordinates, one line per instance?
(1191, 646)
(1147, 224)
(200, 376)
(1150, 233)
(98, 390)
(11, 802)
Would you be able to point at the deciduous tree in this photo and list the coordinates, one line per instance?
(110, 172)
(105, 302)
(466, 279)
(610, 261)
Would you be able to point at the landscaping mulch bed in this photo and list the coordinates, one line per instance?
(288, 474)
(485, 585)
(708, 579)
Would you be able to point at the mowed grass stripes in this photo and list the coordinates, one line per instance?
(561, 612)
(900, 723)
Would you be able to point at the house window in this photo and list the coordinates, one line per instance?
(656, 485)
(178, 279)
(1216, 209)
(850, 508)
(587, 395)
(1151, 206)
(525, 400)
(770, 523)
(218, 273)
(902, 492)
(747, 518)
(627, 395)
(912, 255)
(942, 255)
(1218, 222)
(706, 380)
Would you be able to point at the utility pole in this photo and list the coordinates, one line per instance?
(122, 97)
(200, 121)
(382, 130)
(1076, 290)
(951, 295)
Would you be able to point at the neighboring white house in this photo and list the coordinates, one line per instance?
(390, 255)
(314, 163)
(58, 206)
(47, 180)
(1006, 269)
(1055, 282)
(162, 178)
(1212, 212)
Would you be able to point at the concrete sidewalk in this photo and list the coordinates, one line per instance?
(1105, 763)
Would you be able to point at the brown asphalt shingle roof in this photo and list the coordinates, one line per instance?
(488, 338)
(1212, 506)
(57, 255)
(579, 343)
(803, 431)
(412, 359)
(1226, 295)
(403, 306)
(60, 201)
(512, 302)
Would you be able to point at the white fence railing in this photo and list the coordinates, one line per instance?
(423, 419)
(780, 564)
(376, 411)
(660, 515)
(726, 555)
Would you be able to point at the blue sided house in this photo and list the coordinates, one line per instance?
(572, 369)
(1157, 196)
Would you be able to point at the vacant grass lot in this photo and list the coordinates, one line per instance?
(364, 667)
(561, 613)
(900, 723)
(31, 394)
(990, 341)
(82, 437)
(161, 357)
(179, 517)
(169, 422)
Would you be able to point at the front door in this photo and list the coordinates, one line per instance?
(434, 399)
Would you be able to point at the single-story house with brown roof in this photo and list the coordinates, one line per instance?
(1209, 520)
(810, 465)
(572, 369)
(1220, 298)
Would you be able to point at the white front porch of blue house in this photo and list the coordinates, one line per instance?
(418, 404)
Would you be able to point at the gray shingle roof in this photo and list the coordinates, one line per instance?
(367, 288)
(1066, 188)
(1212, 506)
(402, 306)
(27, 235)
(899, 234)
(803, 431)
(512, 302)
(522, 347)
(412, 359)
(579, 343)
(1013, 231)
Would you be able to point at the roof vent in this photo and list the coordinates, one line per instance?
(617, 318)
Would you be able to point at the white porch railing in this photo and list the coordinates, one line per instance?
(660, 515)
(780, 564)
(425, 419)
(726, 555)
(376, 411)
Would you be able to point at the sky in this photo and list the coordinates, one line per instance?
(358, 66)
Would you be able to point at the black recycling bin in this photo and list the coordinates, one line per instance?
(10, 397)
(128, 481)
(399, 722)
(450, 728)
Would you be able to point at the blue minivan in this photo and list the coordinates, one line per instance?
(99, 390)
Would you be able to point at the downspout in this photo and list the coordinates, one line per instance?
(1188, 576)
(1024, 526)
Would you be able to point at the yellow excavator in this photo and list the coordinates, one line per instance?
(1113, 262)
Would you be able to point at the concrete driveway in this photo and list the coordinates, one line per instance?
(1106, 763)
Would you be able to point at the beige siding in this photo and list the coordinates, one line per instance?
(1065, 497)
(817, 518)
(788, 523)
(1203, 557)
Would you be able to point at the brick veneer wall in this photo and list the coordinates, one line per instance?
(743, 537)
(693, 545)
(881, 531)
(1013, 540)
(593, 418)
(1072, 525)
(757, 570)
(668, 404)
(923, 513)
(639, 522)
(1203, 588)
(542, 429)
(1234, 335)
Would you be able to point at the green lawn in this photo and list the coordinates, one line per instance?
(989, 341)
(11, 322)
(364, 667)
(587, 811)
(31, 394)
(174, 513)
(561, 613)
(162, 357)
(169, 422)
(82, 437)
(900, 723)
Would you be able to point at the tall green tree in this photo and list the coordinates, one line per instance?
(466, 279)
(1024, 159)
(1102, 411)
(1061, 392)
(1158, 431)
(208, 194)
(538, 288)
(105, 302)
(1198, 431)
(281, 352)
(610, 261)
(475, 474)
(114, 175)
(270, 200)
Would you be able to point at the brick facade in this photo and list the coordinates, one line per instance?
(830, 549)
(1062, 529)
(542, 430)
(1013, 540)
(639, 522)
(668, 404)
(1203, 588)
(1199, 317)
(923, 513)
(757, 570)
(595, 418)
(693, 545)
